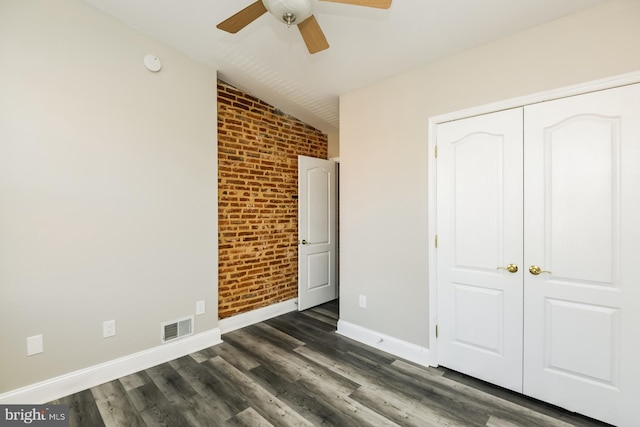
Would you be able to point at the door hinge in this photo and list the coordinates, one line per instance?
(436, 241)
(436, 331)
(436, 149)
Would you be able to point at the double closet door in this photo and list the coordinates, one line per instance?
(538, 223)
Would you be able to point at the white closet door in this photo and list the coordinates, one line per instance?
(582, 224)
(479, 210)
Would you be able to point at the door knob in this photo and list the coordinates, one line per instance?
(304, 242)
(511, 268)
(535, 270)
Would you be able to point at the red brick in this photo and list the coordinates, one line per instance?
(258, 148)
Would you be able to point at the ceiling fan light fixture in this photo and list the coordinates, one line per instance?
(290, 11)
(289, 18)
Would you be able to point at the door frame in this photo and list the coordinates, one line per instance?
(433, 122)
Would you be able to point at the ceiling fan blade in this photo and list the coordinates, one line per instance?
(312, 35)
(243, 18)
(380, 4)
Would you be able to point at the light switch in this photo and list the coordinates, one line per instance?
(200, 307)
(34, 345)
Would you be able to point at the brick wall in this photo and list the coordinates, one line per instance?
(258, 147)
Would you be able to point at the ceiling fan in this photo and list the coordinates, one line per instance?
(298, 12)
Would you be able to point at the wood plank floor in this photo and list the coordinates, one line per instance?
(294, 370)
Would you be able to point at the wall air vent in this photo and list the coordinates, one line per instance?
(176, 329)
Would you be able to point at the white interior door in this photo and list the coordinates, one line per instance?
(316, 232)
(582, 224)
(479, 211)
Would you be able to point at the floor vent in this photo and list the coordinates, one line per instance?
(176, 329)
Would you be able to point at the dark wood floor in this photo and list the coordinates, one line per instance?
(294, 370)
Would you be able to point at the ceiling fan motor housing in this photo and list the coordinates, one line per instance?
(284, 9)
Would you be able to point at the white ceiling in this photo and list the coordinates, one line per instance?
(271, 62)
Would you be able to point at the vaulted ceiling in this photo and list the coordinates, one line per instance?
(270, 61)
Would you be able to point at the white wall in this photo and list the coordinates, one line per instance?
(108, 188)
(383, 150)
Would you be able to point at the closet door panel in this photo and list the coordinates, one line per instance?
(581, 156)
(479, 231)
(581, 165)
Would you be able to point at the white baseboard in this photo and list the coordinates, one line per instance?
(83, 379)
(397, 347)
(256, 316)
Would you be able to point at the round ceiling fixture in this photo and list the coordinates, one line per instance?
(152, 63)
(290, 11)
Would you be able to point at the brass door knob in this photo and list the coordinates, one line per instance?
(535, 270)
(511, 268)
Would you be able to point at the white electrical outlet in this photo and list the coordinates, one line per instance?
(363, 301)
(200, 307)
(34, 345)
(108, 328)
